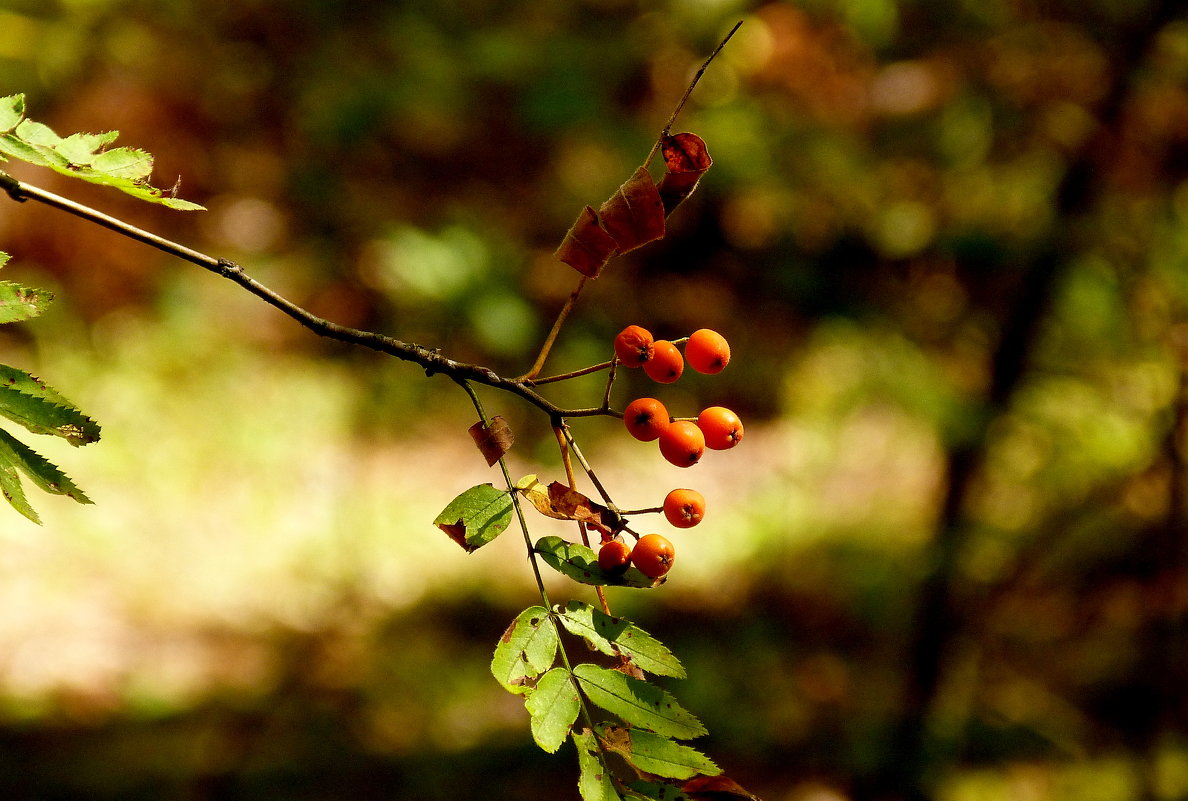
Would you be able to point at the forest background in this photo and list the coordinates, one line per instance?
(947, 241)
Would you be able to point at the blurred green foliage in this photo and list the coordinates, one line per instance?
(258, 606)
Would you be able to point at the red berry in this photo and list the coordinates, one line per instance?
(684, 508)
(682, 443)
(721, 427)
(653, 555)
(646, 419)
(614, 557)
(633, 346)
(666, 364)
(707, 351)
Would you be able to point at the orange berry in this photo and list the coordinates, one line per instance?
(682, 443)
(614, 557)
(653, 555)
(721, 427)
(666, 364)
(707, 351)
(684, 508)
(633, 346)
(646, 419)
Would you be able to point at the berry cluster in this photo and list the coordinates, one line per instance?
(682, 441)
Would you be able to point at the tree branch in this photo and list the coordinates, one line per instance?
(429, 358)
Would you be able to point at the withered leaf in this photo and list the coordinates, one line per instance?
(686, 159)
(634, 215)
(586, 247)
(716, 788)
(562, 503)
(493, 439)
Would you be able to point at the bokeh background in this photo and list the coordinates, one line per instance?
(948, 240)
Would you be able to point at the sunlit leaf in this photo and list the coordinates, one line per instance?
(716, 788)
(40, 471)
(581, 564)
(594, 782)
(82, 148)
(477, 516)
(614, 635)
(637, 702)
(554, 706)
(12, 111)
(124, 162)
(14, 493)
(29, 401)
(656, 754)
(19, 302)
(527, 648)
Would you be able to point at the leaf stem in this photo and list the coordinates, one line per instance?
(551, 339)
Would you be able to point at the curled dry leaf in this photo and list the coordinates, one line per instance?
(493, 439)
(686, 159)
(586, 247)
(716, 788)
(562, 503)
(634, 215)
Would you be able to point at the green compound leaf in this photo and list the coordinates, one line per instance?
(594, 783)
(82, 155)
(637, 702)
(527, 648)
(477, 516)
(656, 754)
(554, 706)
(27, 400)
(581, 564)
(614, 635)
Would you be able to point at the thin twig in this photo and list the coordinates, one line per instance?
(547, 347)
(688, 92)
(431, 359)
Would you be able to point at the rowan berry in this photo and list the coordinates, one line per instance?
(721, 427)
(646, 419)
(666, 364)
(653, 555)
(684, 508)
(707, 351)
(633, 346)
(682, 443)
(614, 557)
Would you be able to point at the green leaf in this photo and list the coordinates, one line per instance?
(527, 648)
(594, 783)
(82, 155)
(124, 162)
(83, 148)
(656, 754)
(19, 302)
(477, 516)
(554, 706)
(581, 564)
(12, 111)
(44, 474)
(614, 635)
(27, 400)
(14, 493)
(637, 702)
